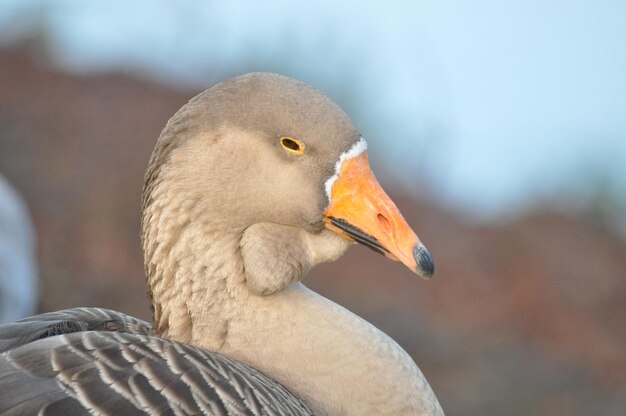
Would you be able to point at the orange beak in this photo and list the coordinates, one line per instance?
(361, 211)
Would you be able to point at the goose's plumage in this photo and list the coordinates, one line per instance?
(251, 184)
(92, 360)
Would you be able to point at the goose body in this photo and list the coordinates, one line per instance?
(251, 184)
(92, 360)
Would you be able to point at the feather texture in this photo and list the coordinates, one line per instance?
(97, 361)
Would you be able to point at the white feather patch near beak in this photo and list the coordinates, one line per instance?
(355, 150)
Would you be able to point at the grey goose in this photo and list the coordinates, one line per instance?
(251, 184)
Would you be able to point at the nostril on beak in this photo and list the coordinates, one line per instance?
(384, 223)
(424, 261)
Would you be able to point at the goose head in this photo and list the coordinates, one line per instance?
(276, 163)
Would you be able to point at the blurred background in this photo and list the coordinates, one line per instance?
(499, 128)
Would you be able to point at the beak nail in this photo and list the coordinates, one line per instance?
(424, 261)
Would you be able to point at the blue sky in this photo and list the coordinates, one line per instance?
(490, 104)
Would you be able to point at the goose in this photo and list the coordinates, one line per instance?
(251, 184)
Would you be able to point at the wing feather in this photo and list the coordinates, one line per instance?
(87, 361)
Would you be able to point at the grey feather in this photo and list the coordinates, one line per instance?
(97, 361)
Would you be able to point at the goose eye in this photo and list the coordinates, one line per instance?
(292, 145)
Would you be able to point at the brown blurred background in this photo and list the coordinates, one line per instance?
(525, 315)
